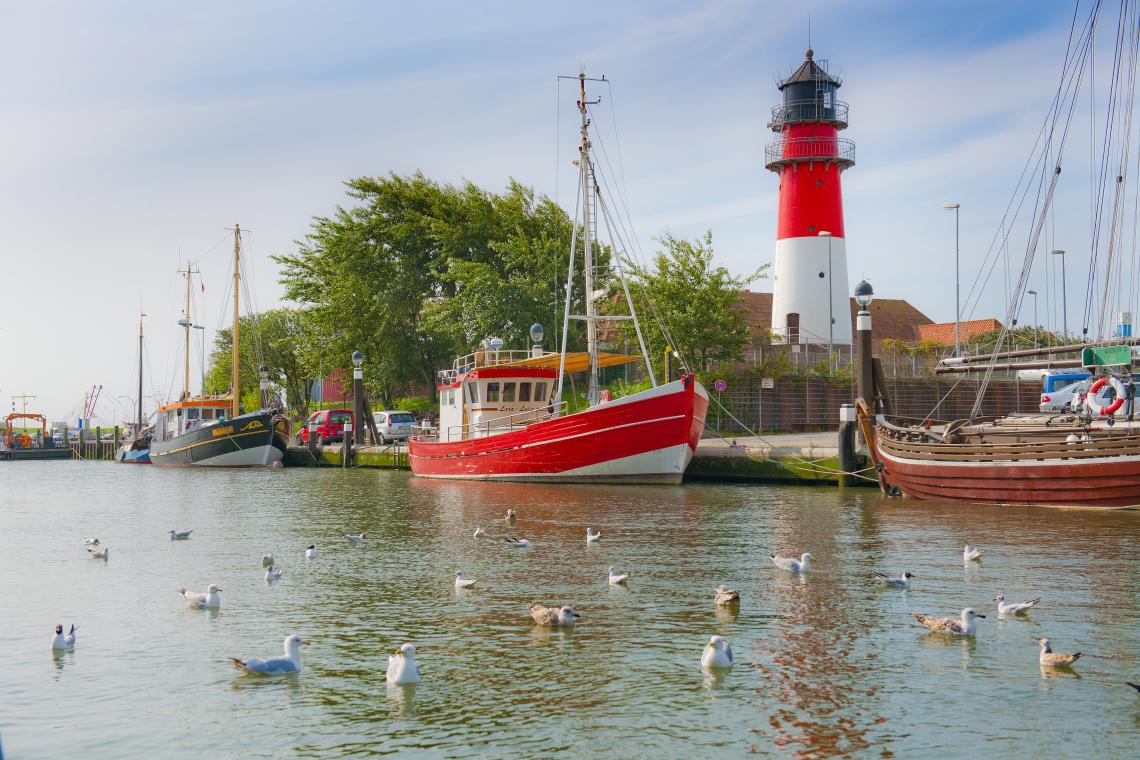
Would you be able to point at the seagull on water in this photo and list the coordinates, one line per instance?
(592, 535)
(717, 654)
(461, 581)
(1014, 608)
(357, 539)
(519, 543)
(275, 666)
(726, 597)
(902, 581)
(207, 601)
(511, 516)
(952, 626)
(180, 535)
(1052, 659)
(802, 565)
(267, 560)
(971, 553)
(402, 668)
(553, 617)
(617, 578)
(273, 573)
(479, 532)
(61, 641)
(91, 541)
(103, 553)
(311, 552)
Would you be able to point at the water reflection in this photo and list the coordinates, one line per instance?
(403, 699)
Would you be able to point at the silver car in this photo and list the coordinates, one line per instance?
(1061, 399)
(393, 425)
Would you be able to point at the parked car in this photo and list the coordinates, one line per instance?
(1061, 400)
(393, 425)
(329, 426)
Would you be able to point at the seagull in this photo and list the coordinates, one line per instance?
(267, 560)
(511, 516)
(519, 543)
(463, 582)
(479, 532)
(273, 573)
(91, 541)
(311, 552)
(207, 601)
(402, 667)
(971, 552)
(616, 578)
(99, 553)
(60, 641)
(180, 535)
(952, 626)
(1053, 659)
(903, 581)
(802, 565)
(553, 616)
(726, 597)
(1014, 608)
(275, 666)
(1135, 686)
(592, 535)
(717, 654)
(357, 539)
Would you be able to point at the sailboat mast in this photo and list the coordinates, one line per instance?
(138, 430)
(186, 323)
(587, 244)
(235, 382)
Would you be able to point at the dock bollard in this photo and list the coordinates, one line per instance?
(346, 445)
(848, 425)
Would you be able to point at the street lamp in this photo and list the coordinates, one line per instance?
(864, 377)
(1034, 294)
(357, 399)
(830, 305)
(957, 290)
(1064, 305)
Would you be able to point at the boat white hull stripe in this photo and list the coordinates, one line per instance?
(661, 465)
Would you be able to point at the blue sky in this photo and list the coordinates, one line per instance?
(134, 133)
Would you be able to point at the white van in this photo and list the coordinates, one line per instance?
(393, 425)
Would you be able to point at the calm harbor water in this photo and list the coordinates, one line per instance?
(827, 664)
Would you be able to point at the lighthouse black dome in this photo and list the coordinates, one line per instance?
(810, 72)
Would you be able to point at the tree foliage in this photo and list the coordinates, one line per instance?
(700, 304)
(416, 272)
(279, 339)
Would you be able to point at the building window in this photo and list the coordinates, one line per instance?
(524, 391)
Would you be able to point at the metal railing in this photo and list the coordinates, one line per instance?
(809, 110)
(487, 358)
(503, 424)
(803, 149)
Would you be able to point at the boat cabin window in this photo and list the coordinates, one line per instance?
(207, 414)
(191, 413)
(540, 391)
(524, 391)
(473, 393)
(492, 393)
(508, 393)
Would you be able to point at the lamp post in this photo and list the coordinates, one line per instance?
(1064, 305)
(263, 379)
(830, 306)
(864, 378)
(357, 397)
(957, 289)
(1034, 294)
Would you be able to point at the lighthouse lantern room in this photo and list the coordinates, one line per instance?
(810, 280)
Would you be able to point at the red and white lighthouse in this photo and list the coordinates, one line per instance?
(810, 295)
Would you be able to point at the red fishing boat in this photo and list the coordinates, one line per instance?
(502, 413)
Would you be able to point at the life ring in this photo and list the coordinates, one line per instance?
(1104, 411)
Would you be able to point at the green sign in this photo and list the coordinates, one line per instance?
(1106, 356)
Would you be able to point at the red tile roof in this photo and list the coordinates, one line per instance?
(943, 332)
(893, 317)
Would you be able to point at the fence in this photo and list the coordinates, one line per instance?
(794, 404)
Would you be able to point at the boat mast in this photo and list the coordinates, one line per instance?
(588, 188)
(186, 324)
(138, 430)
(235, 382)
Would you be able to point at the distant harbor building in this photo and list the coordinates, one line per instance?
(809, 157)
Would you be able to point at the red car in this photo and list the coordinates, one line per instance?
(329, 426)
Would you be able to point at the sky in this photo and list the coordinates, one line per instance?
(133, 135)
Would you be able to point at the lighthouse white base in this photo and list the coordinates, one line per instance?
(801, 286)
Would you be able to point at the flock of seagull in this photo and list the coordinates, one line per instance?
(716, 655)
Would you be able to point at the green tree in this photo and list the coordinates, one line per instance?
(276, 338)
(699, 304)
(416, 272)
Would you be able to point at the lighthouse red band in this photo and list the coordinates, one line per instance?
(810, 280)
